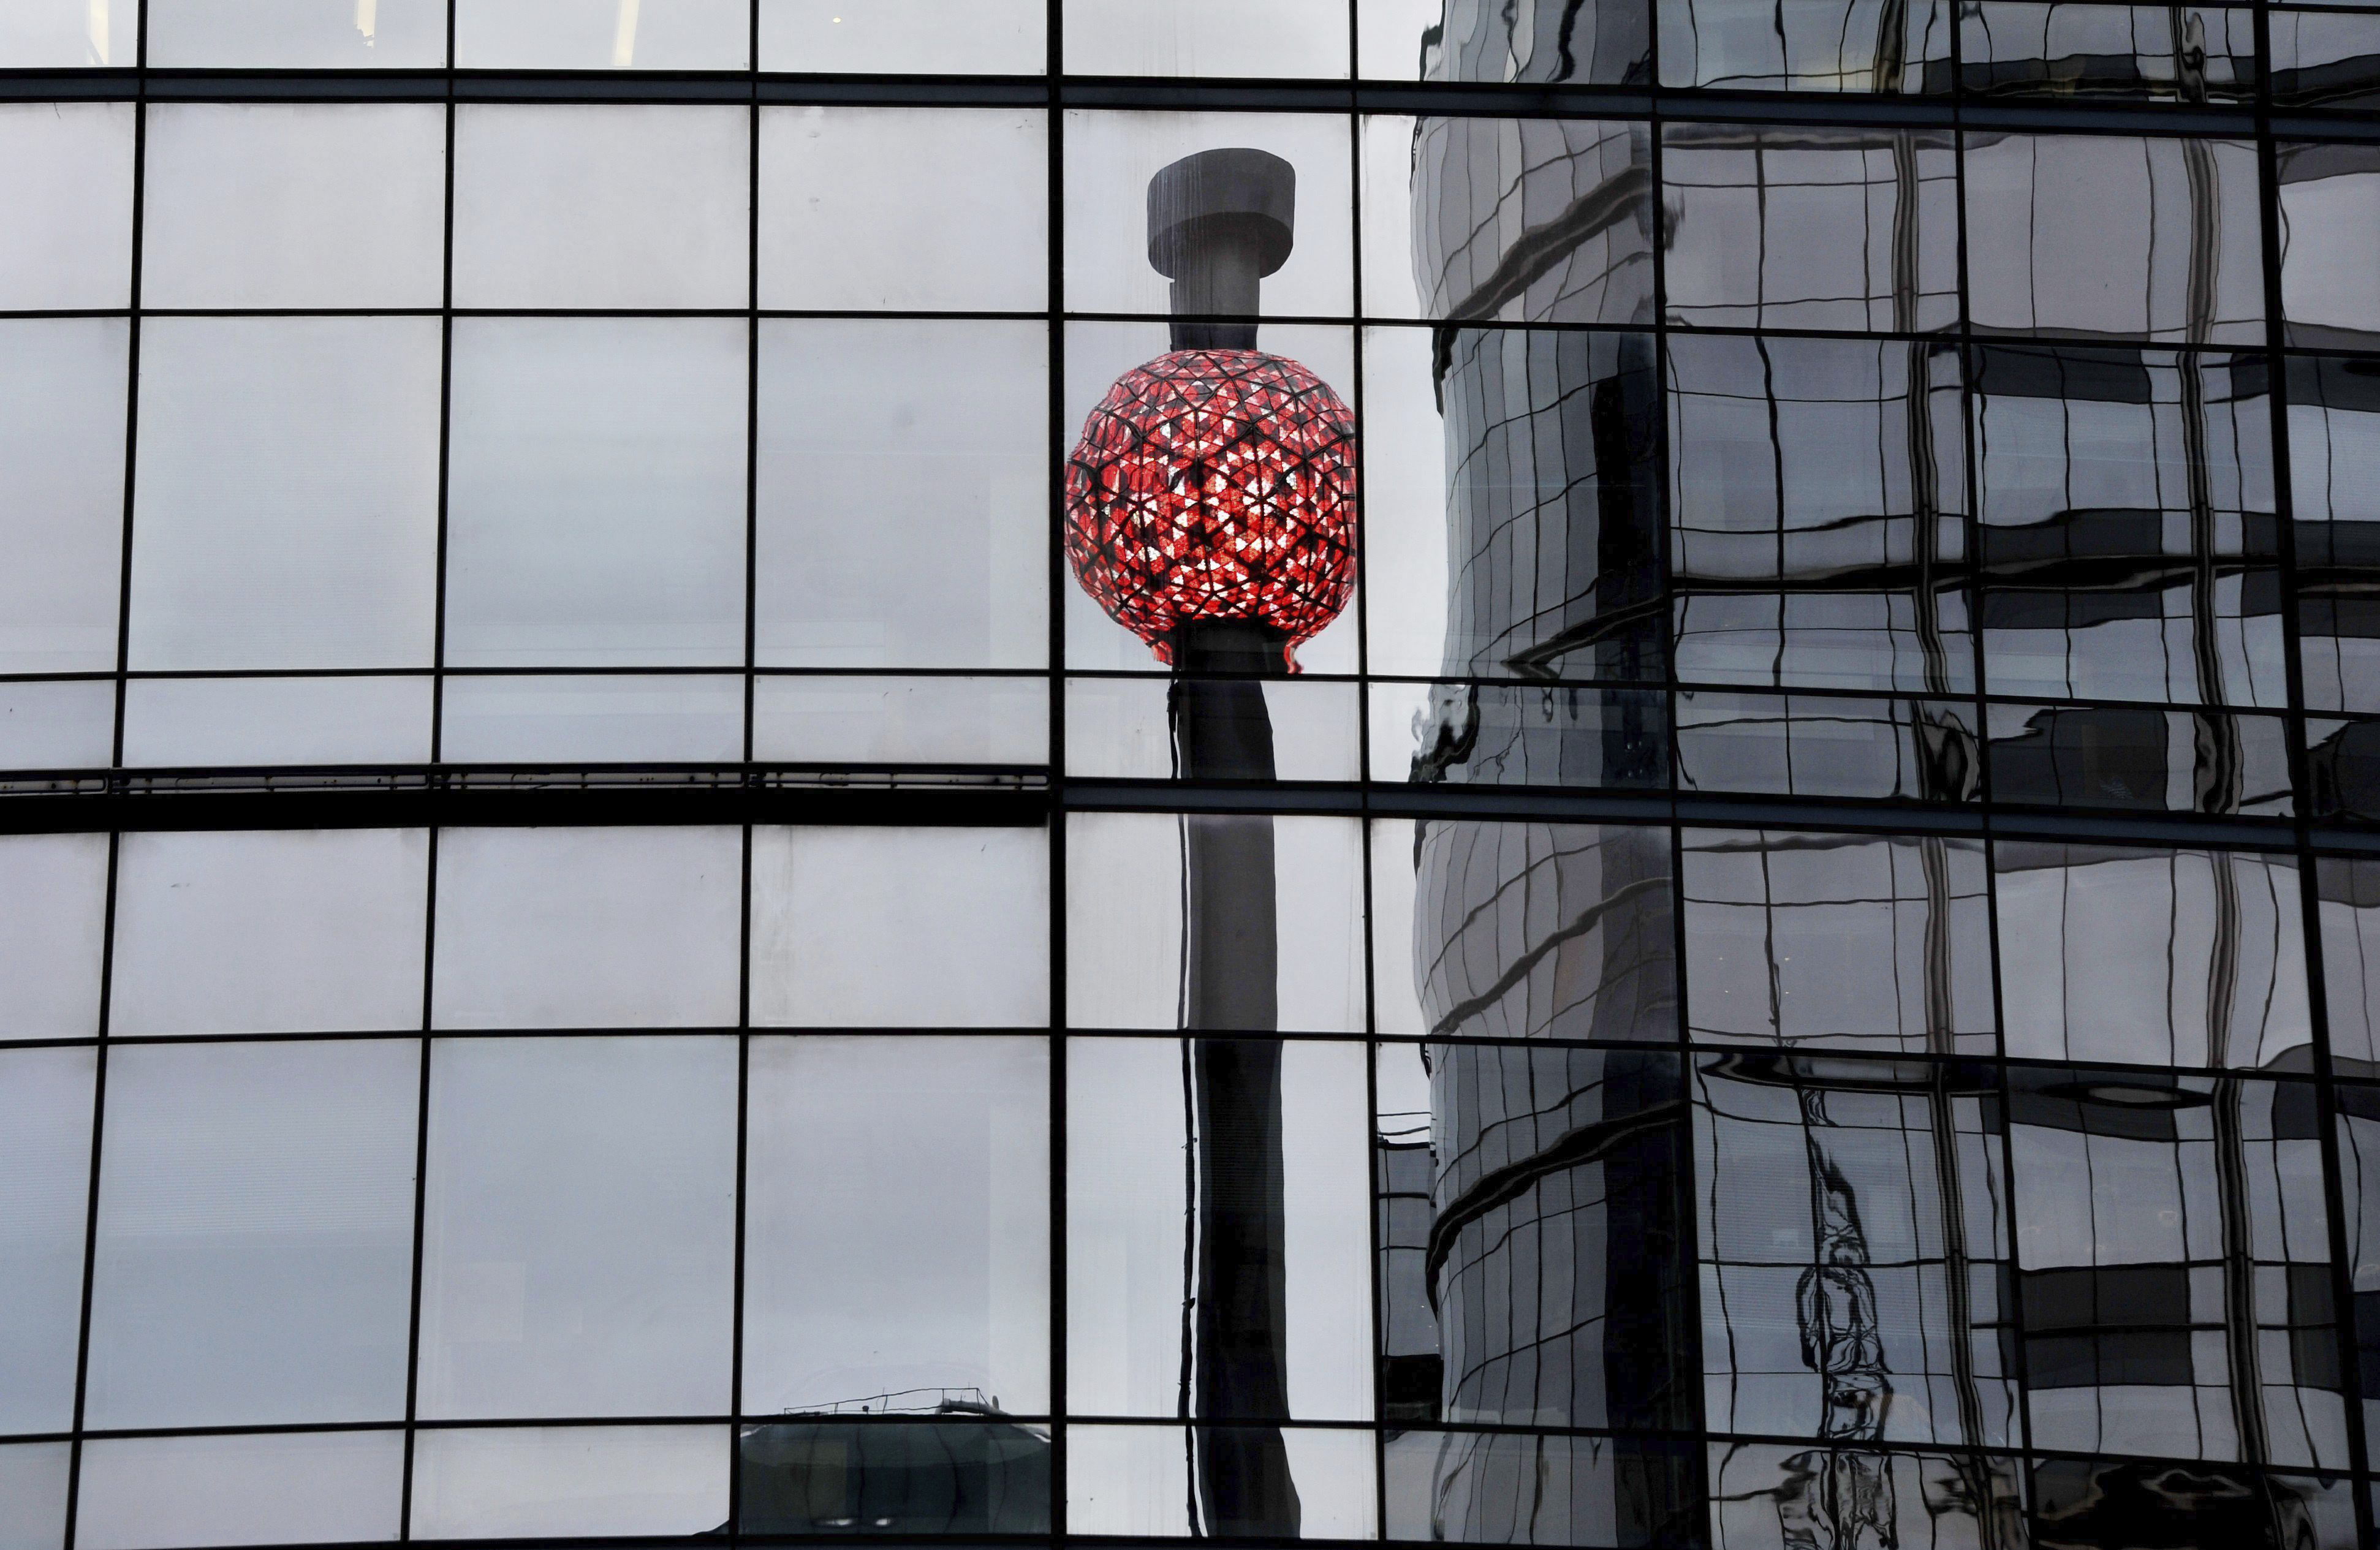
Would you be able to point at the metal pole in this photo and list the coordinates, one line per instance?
(1219, 222)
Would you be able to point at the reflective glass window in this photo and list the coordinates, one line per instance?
(897, 1231)
(1289, 1332)
(264, 932)
(50, 35)
(52, 927)
(2174, 1267)
(62, 428)
(837, 912)
(266, 205)
(255, 1239)
(904, 208)
(1128, 938)
(273, 1488)
(988, 37)
(903, 494)
(46, 1100)
(579, 1238)
(66, 169)
(536, 1482)
(593, 717)
(1111, 156)
(2152, 957)
(1293, 39)
(2114, 237)
(293, 35)
(1838, 941)
(602, 206)
(34, 1483)
(1806, 45)
(601, 35)
(286, 497)
(2328, 198)
(244, 721)
(587, 927)
(1846, 229)
(595, 504)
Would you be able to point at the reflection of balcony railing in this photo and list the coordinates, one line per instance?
(908, 1402)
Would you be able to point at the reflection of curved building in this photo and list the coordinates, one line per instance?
(1871, 1268)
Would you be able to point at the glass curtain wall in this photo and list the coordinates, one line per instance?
(605, 939)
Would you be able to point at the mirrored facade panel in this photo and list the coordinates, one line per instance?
(1267, 1289)
(1806, 45)
(546, 1481)
(252, 1263)
(2187, 54)
(1528, 221)
(2326, 196)
(1520, 734)
(1136, 937)
(1474, 1487)
(1831, 746)
(242, 720)
(286, 501)
(904, 36)
(1780, 1497)
(587, 927)
(272, 34)
(53, 934)
(2347, 895)
(264, 205)
(963, 1472)
(924, 438)
(69, 178)
(2083, 1503)
(1120, 727)
(882, 207)
(596, 493)
(46, 1096)
(2175, 1267)
(260, 1488)
(1110, 158)
(2334, 435)
(2152, 957)
(1848, 230)
(1819, 534)
(2114, 237)
(602, 34)
(268, 932)
(33, 1506)
(1605, 42)
(62, 391)
(2137, 756)
(874, 719)
(1852, 1215)
(1525, 930)
(897, 1257)
(609, 206)
(2326, 58)
(52, 35)
(1818, 941)
(578, 1246)
(1534, 1252)
(604, 717)
(1135, 1480)
(835, 915)
(1302, 40)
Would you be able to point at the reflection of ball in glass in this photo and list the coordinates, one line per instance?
(1215, 485)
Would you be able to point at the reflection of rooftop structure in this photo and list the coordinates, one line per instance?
(959, 1467)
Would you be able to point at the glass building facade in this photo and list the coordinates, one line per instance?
(599, 943)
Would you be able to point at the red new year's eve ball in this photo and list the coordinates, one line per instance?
(1215, 485)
